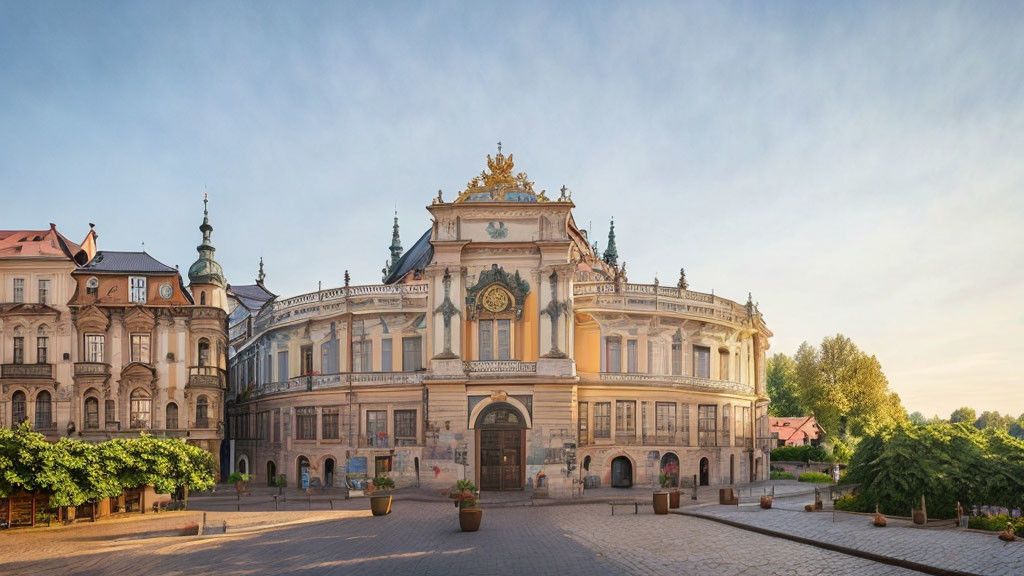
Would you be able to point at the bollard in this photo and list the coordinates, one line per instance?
(694, 497)
(275, 503)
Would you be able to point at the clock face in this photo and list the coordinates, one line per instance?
(495, 299)
(166, 291)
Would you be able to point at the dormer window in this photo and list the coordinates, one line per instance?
(137, 289)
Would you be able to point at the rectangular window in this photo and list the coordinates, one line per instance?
(42, 349)
(405, 427)
(677, 357)
(19, 349)
(109, 414)
(707, 424)
(613, 354)
(625, 416)
(94, 348)
(726, 429)
(684, 425)
(137, 289)
(583, 429)
(44, 291)
(665, 420)
(19, 290)
(305, 423)
(504, 339)
(140, 348)
(377, 428)
(702, 362)
(602, 420)
(486, 339)
(362, 356)
(632, 362)
(140, 411)
(412, 354)
(307, 360)
(742, 422)
(330, 423)
(385, 355)
(282, 366)
(723, 365)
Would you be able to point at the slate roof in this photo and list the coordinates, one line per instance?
(122, 262)
(251, 296)
(415, 258)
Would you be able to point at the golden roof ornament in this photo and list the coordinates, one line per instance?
(497, 183)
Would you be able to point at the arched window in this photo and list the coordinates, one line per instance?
(202, 412)
(204, 352)
(202, 298)
(18, 408)
(172, 416)
(92, 413)
(44, 411)
(141, 408)
(271, 473)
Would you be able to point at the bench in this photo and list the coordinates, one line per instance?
(634, 503)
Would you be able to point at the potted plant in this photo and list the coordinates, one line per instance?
(380, 495)
(766, 501)
(241, 482)
(282, 483)
(662, 497)
(672, 474)
(465, 501)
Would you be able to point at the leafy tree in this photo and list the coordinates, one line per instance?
(781, 384)
(1017, 428)
(963, 414)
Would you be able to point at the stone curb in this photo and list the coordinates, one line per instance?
(899, 562)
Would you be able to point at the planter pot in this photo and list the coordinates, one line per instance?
(380, 505)
(469, 519)
(673, 499)
(766, 503)
(661, 502)
(920, 517)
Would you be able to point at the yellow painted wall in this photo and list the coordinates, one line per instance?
(587, 344)
(527, 330)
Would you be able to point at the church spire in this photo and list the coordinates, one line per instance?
(261, 275)
(396, 242)
(611, 254)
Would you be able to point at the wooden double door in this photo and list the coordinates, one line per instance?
(501, 459)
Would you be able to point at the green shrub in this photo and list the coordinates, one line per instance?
(237, 477)
(850, 503)
(948, 463)
(800, 454)
(383, 483)
(282, 481)
(777, 475)
(996, 523)
(816, 477)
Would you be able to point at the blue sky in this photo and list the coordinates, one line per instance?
(856, 166)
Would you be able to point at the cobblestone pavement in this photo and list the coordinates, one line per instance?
(945, 548)
(420, 538)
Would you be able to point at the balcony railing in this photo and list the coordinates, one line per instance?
(313, 382)
(674, 381)
(202, 423)
(31, 371)
(205, 376)
(92, 369)
(499, 367)
(652, 297)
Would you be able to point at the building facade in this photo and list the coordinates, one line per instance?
(503, 348)
(130, 348)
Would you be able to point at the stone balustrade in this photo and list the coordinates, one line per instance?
(656, 298)
(674, 381)
(312, 382)
(499, 367)
(27, 371)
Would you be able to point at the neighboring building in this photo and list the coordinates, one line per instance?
(36, 331)
(501, 348)
(148, 357)
(797, 431)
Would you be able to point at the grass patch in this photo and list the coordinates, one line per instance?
(816, 477)
(781, 475)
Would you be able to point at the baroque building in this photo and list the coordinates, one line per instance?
(126, 346)
(503, 348)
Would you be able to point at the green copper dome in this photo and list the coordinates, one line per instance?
(206, 270)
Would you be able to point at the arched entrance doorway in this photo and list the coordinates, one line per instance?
(501, 432)
(622, 472)
(271, 473)
(670, 468)
(302, 479)
(243, 465)
(705, 472)
(329, 472)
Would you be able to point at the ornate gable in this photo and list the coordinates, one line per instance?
(139, 320)
(92, 319)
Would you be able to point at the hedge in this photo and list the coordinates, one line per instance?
(806, 453)
(816, 477)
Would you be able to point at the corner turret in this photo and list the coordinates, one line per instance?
(205, 276)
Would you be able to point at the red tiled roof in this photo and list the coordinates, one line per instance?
(36, 244)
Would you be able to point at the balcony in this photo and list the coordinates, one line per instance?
(202, 423)
(677, 382)
(311, 382)
(92, 369)
(499, 368)
(655, 298)
(28, 371)
(204, 376)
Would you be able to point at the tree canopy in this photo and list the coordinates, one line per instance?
(74, 471)
(781, 384)
(963, 414)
